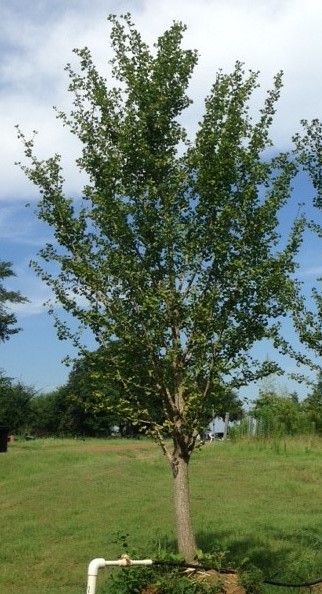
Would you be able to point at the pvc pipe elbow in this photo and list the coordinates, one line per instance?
(93, 568)
(95, 565)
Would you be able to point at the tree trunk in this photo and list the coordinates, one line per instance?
(226, 425)
(186, 539)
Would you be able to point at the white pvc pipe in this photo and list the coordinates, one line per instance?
(99, 563)
(93, 568)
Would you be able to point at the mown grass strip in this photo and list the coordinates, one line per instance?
(62, 503)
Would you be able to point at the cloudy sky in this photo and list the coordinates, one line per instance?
(37, 39)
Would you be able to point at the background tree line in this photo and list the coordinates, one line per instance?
(71, 409)
(279, 412)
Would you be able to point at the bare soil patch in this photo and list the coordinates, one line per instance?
(114, 447)
(228, 581)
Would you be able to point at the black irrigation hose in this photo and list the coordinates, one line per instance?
(265, 581)
(300, 585)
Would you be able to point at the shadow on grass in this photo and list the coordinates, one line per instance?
(237, 550)
(278, 555)
(247, 550)
(289, 558)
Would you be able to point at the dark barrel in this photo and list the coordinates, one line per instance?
(4, 432)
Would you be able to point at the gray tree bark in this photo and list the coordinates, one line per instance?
(185, 535)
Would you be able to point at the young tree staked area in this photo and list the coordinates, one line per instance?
(172, 251)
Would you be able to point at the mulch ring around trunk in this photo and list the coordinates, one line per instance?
(228, 583)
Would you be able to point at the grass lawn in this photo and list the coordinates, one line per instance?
(62, 503)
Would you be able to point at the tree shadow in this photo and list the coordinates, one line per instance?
(248, 549)
(273, 554)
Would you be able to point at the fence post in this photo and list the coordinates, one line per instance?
(226, 425)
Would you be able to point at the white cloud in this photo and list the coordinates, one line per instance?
(314, 271)
(266, 34)
(34, 306)
(33, 289)
(18, 225)
(37, 293)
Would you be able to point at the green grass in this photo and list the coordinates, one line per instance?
(62, 502)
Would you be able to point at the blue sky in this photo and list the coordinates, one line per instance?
(36, 42)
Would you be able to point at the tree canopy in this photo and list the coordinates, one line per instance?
(15, 405)
(172, 251)
(278, 413)
(7, 318)
(312, 406)
(309, 154)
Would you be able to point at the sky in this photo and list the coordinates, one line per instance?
(36, 43)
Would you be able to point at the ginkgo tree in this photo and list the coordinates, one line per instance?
(172, 252)
(307, 315)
